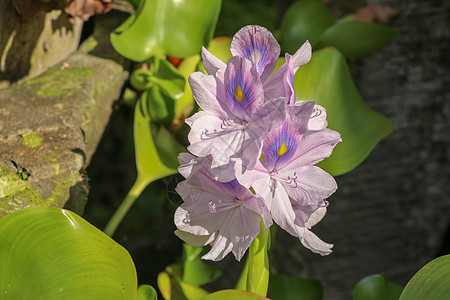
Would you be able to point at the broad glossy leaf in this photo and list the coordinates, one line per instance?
(148, 162)
(327, 80)
(356, 39)
(195, 270)
(167, 27)
(293, 288)
(431, 282)
(376, 287)
(167, 146)
(234, 294)
(52, 253)
(304, 20)
(146, 292)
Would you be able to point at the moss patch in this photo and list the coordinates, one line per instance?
(31, 140)
(62, 82)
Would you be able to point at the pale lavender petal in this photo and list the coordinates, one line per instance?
(316, 217)
(313, 243)
(220, 138)
(244, 227)
(302, 56)
(300, 114)
(206, 93)
(281, 209)
(281, 82)
(243, 88)
(195, 240)
(190, 164)
(314, 147)
(318, 119)
(211, 63)
(270, 115)
(257, 44)
(308, 185)
(219, 249)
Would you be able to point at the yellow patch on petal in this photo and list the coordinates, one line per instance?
(256, 56)
(238, 94)
(283, 149)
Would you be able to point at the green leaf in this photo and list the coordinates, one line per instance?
(258, 263)
(185, 104)
(195, 271)
(161, 107)
(169, 80)
(234, 294)
(431, 282)
(172, 286)
(167, 27)
(376, 287)
(146, 292)
(327, 80)
(52, 253)
(293, 288)
(148, 162)
(356, 39)
(304, 20)
(140, 79)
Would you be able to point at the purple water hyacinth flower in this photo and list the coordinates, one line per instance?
(225, 215)
(258, 45)
(235, 118)
(293, 188)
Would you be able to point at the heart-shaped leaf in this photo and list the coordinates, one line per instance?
(52, 253)
(167, 27)
(327, 80)
(431, 282)
(304, 20)
(356, 39)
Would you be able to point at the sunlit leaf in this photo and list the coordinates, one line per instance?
(356, 39)
(234, 294)
(185, 104)
(195, 270)
(167, 27)
(293, 288)
(431, 282)
(304, 20)
(376, 287)
(51, 253)
(327, 80)
(146, 292)
(148, 161)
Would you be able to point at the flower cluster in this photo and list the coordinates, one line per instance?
(254, 149)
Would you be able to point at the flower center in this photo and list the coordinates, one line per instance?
(238, 94)
(283, 149)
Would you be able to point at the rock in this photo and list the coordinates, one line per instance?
(49, 128)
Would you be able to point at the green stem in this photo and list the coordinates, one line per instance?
(133, 194)
(257, 266)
